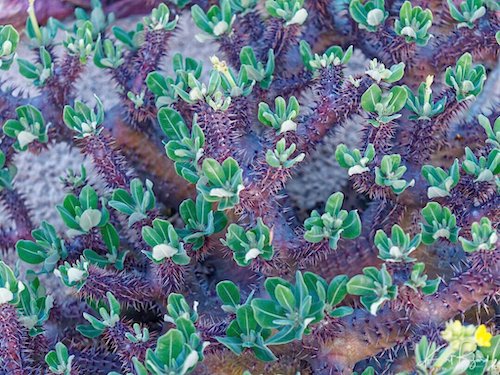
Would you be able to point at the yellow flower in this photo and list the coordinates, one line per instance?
(482, 336)
(219, 65)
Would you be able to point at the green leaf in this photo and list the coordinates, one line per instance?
(88, 198)
(110, 236)
(169, 346)
(89, 331)
(172, 124)
(266, 312)
(214, 172)
(285, 297)
(264, 353)
(398, 99)
(371, 97)
(27, 69)
(30, 252)
(431, 286)
(341, 311)
(232, 343)
(229, 293)
(361, 285)
(337, 290)
(246, 319)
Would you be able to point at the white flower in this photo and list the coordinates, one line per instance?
(220, 28)
(467, 86)
(375, 305)
(395, 252)
(6, 47)
(252, 254)
(308, 321)
(46, 73)
(25, 138)
(443, 232)
(298, 18)
(288, 125)
(88, 128)
(195, 94)
(435, 191)
(163, 251)
(5, 295)
(374, 17)
(493, 238)
(357, 169)
(354, 81)
(221, 193)
(75, 275)
(378, 71)
(409, 31)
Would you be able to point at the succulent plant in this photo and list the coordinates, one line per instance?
(369, 15)
(135, 204)
(465, 79)
(482, 168)
(280, 157)
(9, 39)
(83, 120)
(470, 11)
(439, 223)
(380, 73)
(29, 127)
(221, 183)
(390, 174)
(374, 286)
(47, 248)
(422, 104)
(281, 119)
(493, 132)
(214, 23)
(484, 237)
(334, 224)
(291, 310)
(59, 360)
(201, 222)
(164, 243)
(414, 23)
(291, 11)
(419, 281)
(333, 56)
(10, 287)
(249, 245)
(385, 105)
(441, 182)
(398, 246)
(352, 160)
